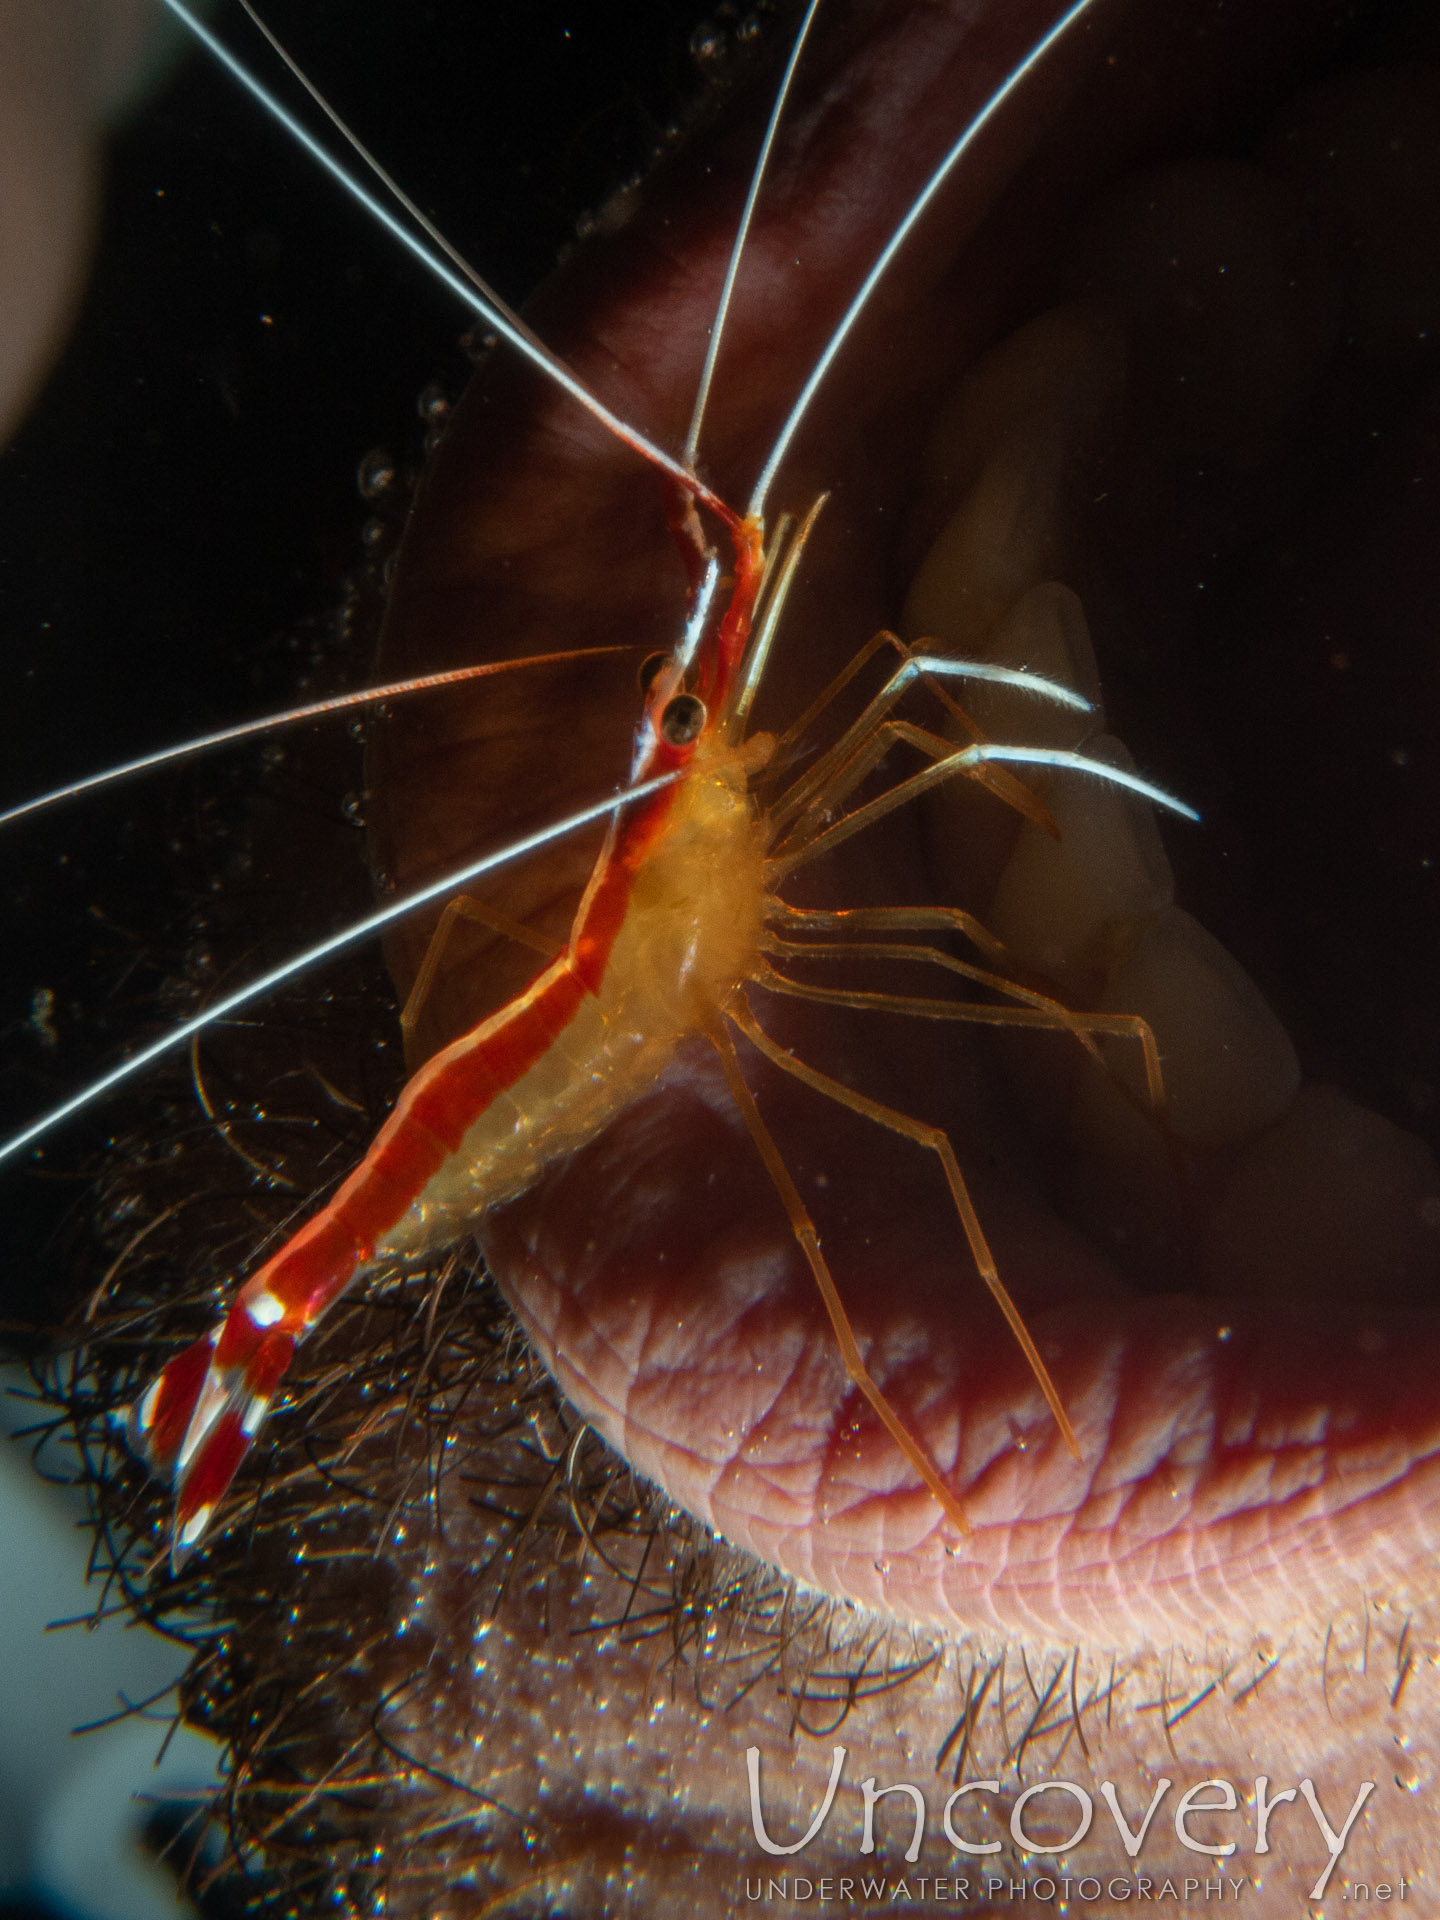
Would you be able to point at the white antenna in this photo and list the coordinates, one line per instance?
(312, 956)
(494, 316)
(292, 716)
(897, 240)
(742, 233)
(389, 182)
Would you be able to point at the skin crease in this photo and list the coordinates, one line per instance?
(1338, 1727)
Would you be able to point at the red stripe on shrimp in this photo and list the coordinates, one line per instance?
(203, 1412)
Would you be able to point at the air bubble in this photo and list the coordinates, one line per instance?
(375, 474)
(372, 533)
(709, 46)
(42, 1016)
(433, 403)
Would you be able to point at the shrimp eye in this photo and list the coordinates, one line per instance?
(649, 670)
(682, 720)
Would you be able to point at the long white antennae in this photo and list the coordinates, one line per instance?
(742, 233)
(896, 242)
(524, 343)
(292, 716)
(388, 181)
(335, 943)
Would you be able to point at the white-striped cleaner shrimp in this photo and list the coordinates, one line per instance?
(1117, 1610)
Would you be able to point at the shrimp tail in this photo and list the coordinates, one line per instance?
(197, 1421)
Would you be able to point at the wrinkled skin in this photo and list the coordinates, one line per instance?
(560, 532)
(1242, 1497)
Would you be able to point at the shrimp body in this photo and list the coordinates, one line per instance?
(682, 913)
(669, 928)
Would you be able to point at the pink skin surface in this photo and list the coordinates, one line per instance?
(1244, 1459)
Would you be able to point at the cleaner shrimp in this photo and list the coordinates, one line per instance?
(525, 1241)
(683, 912)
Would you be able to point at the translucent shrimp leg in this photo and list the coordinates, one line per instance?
(807, 830)
(981, 1014)
(963, 763)
(938, 1143)
(896, 919)
(465, 907)
(855, 751)
(1043, 1010)
(1045, 1015)
(808, 1240)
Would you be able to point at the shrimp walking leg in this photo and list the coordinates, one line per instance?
(1052, 1017)
(898, 919)
(465, 907)
(869, 754)
(841, 768)
(938, 1142)
(1052, 1012)
(809, 1242)
(812, 837)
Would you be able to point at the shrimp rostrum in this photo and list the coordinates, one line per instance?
(697, 920)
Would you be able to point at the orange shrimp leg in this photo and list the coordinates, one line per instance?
(1045, 1011)
(809, 836)
(465, 906)
(809, 1241)
(1049, 1015)
(938, 1143)
(864, 743)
